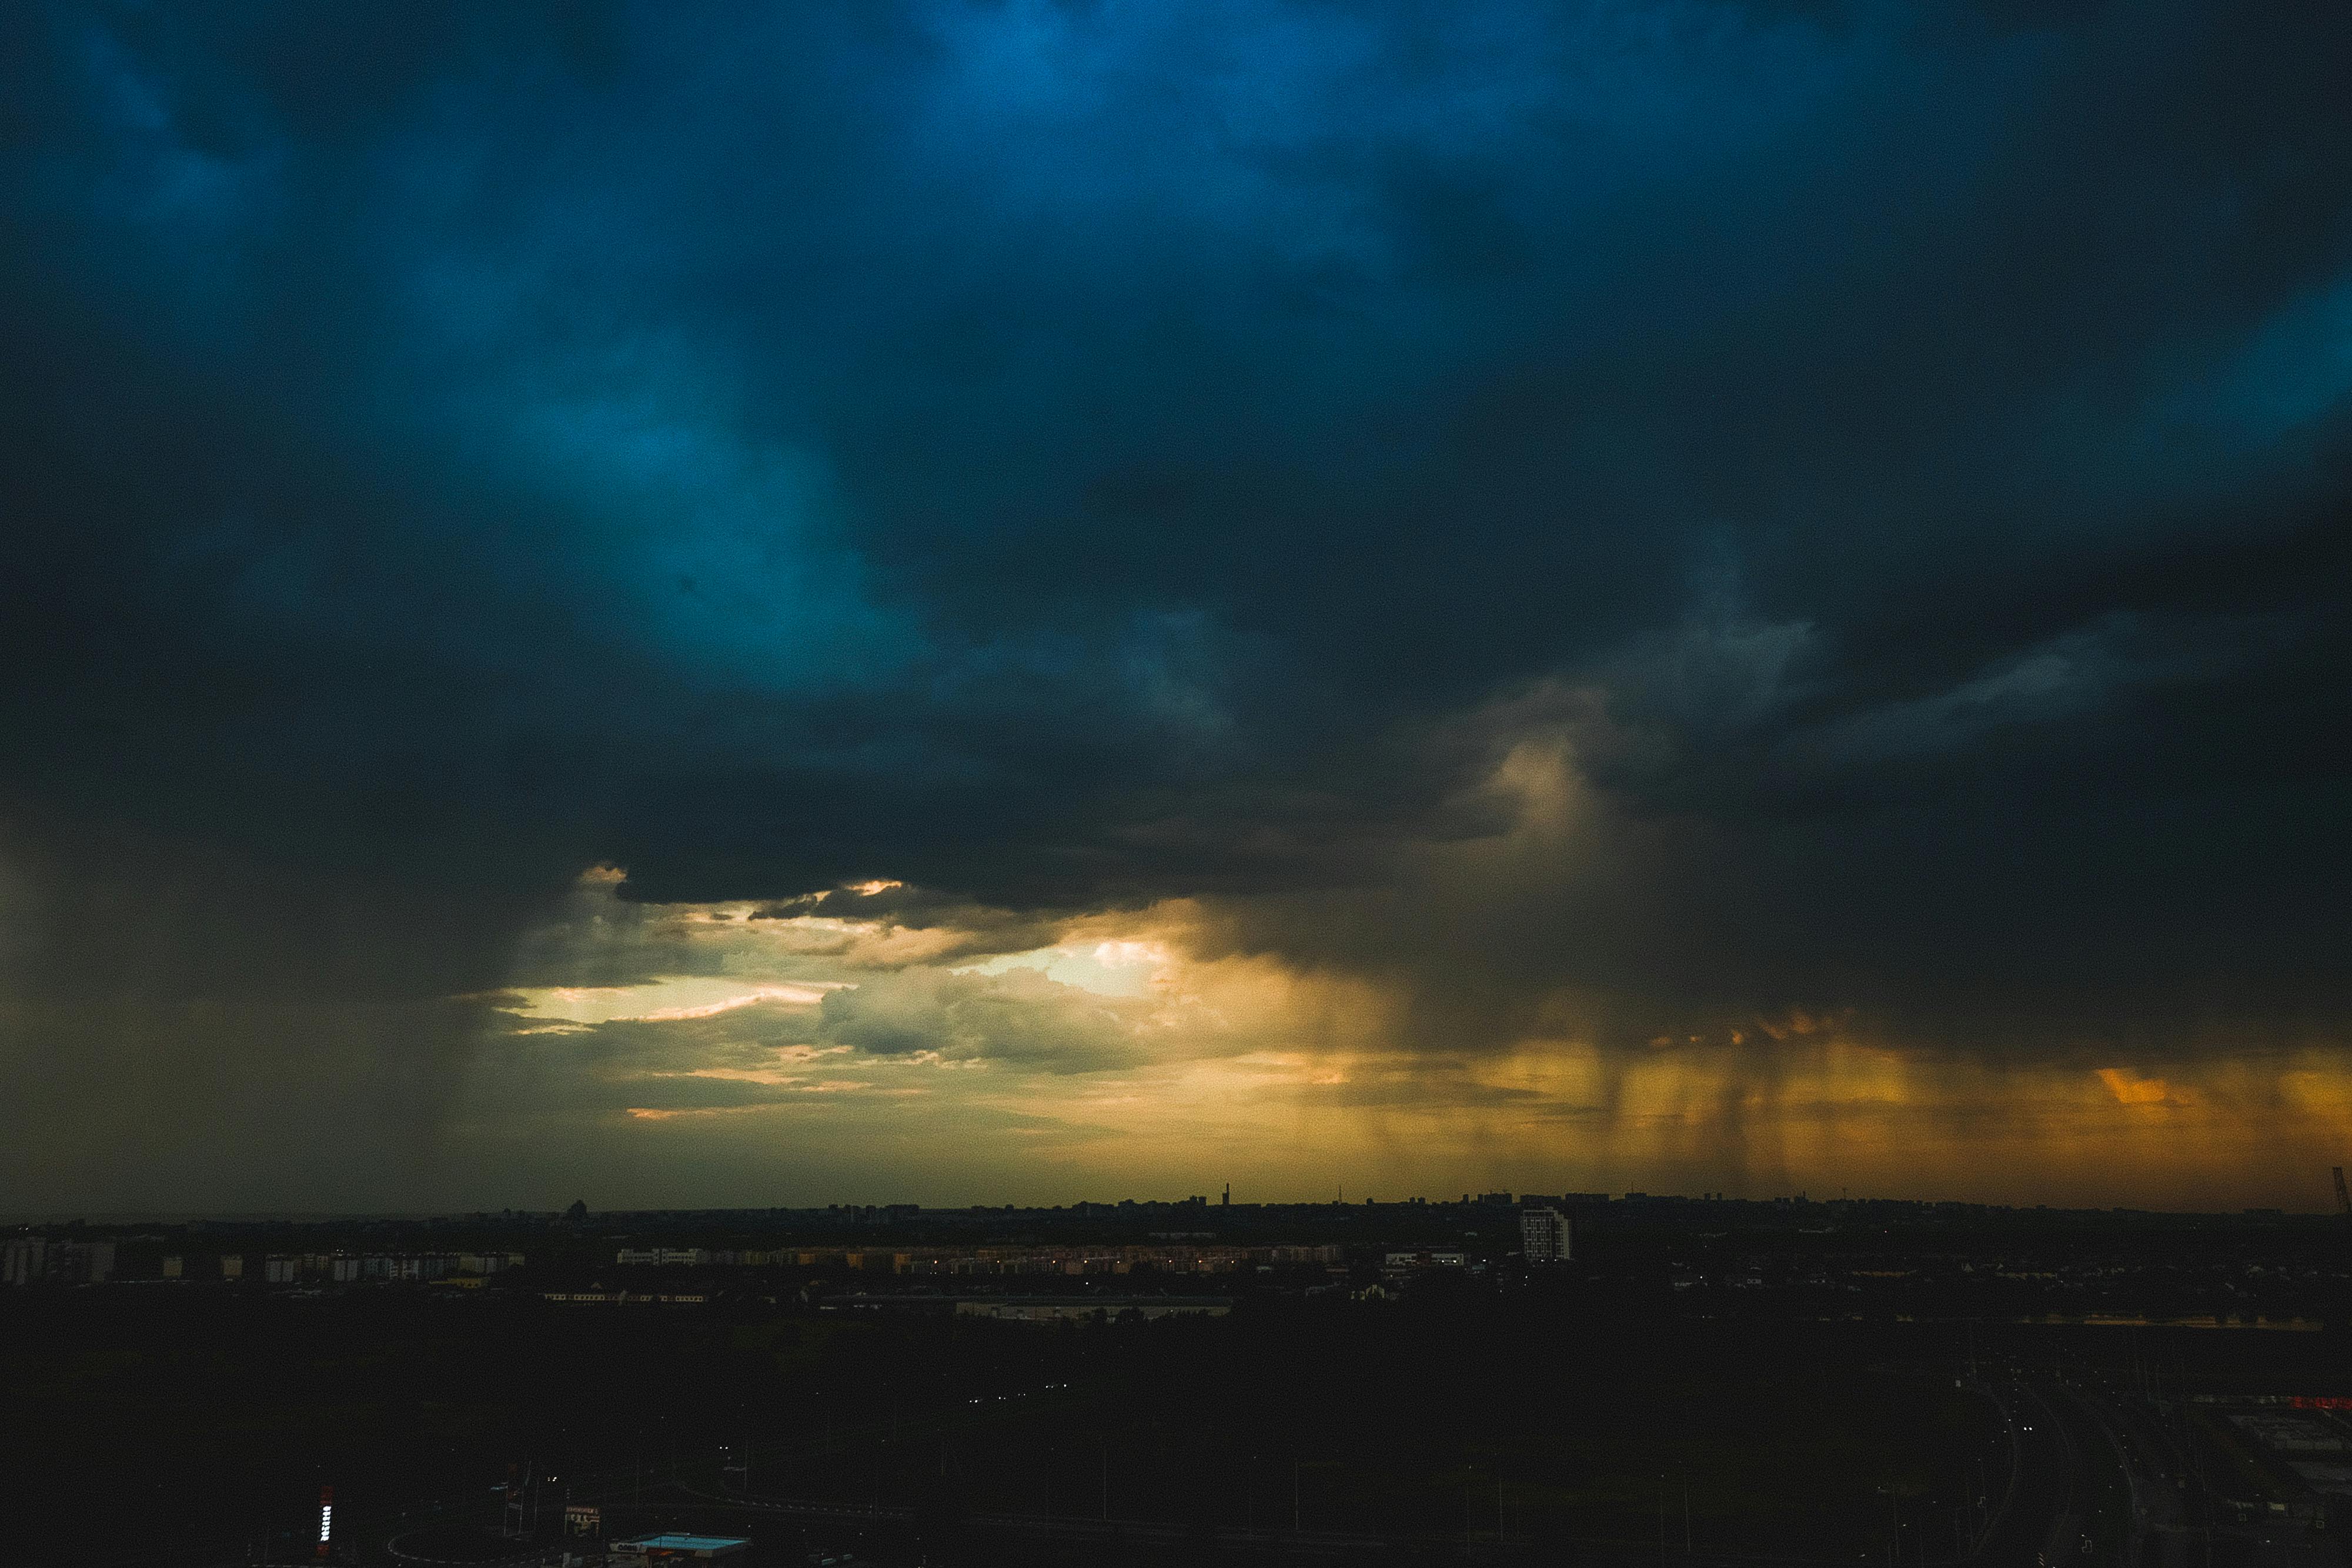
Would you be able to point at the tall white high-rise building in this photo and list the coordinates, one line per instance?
(1544, 1235)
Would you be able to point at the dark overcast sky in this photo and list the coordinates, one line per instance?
(1595, 521)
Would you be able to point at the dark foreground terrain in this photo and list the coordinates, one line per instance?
(1700, 1400)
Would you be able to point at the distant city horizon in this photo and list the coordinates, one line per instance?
(134, 1217)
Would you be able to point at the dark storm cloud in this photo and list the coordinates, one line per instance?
(1066, 456)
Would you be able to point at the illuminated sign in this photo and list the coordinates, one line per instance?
(326, 1522)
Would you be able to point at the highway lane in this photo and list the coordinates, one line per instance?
(2151, 1517)
(2066, 1542)
(2034, 1522)
(2161, 1482)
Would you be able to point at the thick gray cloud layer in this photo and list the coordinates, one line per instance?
(1072, 456)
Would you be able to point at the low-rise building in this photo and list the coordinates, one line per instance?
(662, 1257)
(1081, 1309)
(1402, 1263)
(488, 1262)
(674, 1547)
(41, 1261)
(23, 1260)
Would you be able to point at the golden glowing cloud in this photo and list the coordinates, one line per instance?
(1147, 1051)
(2132, 1089)
(659, 1001)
